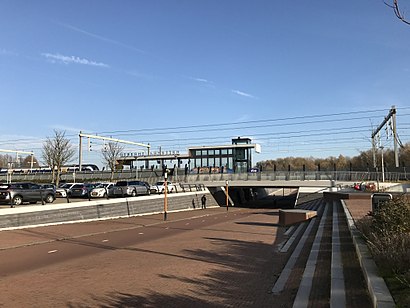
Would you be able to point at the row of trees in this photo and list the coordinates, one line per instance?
(57, 151)
(362, 162)
(21, 162)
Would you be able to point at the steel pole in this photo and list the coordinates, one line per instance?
(165, 196)
(227, 194)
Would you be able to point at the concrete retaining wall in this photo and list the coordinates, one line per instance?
(25, 216)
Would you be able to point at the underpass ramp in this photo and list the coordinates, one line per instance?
(290, 217)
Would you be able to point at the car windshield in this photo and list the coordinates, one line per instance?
(78, 186)
(159, 183)
(102, 185)
(122, 183)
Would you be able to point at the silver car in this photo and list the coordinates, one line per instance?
(129, 188)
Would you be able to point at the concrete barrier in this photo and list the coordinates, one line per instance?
(27, 216)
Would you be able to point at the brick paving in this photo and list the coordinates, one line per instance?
(224, 264)
(229, 264)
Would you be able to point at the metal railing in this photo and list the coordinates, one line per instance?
(153, 176)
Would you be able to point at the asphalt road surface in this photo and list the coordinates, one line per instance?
(201, 258)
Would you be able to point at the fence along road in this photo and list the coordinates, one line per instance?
(154, 176)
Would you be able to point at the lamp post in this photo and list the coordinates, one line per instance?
(165, 194)
(227, 193)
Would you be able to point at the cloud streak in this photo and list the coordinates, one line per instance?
(58, 58)
(101, 38)
(201, 80)
(243, 94)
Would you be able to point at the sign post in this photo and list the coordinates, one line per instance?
(165, 195)
(227, 193)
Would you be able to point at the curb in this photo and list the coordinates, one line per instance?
(379, 293)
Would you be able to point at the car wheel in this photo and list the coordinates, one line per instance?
(134, 193)
(17, 200)
(49, 199)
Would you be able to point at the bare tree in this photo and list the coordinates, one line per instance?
(399, 14)
(5, 159)
(57, 152)
(111, 152)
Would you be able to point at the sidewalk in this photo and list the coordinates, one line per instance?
(223, 264)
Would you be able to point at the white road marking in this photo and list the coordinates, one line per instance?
(104, 241)
(52, 251)
(140, 233)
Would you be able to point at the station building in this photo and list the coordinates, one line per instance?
(232, 158)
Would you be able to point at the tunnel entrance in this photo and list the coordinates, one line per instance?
(257, 197)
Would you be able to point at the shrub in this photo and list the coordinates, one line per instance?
(387, 232)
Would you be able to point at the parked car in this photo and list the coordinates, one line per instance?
(101, 190)
(129, 188)
(64, 190)
(159, 187)
(18, 193)
(49, 186)
(82, 190)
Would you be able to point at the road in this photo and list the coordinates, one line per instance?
(202, 258)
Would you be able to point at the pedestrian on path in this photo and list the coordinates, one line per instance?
(203, 201)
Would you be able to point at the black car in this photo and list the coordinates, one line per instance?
(18, 193)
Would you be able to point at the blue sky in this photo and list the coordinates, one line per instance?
(169, 73)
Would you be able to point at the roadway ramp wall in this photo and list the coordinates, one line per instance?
(27, 216)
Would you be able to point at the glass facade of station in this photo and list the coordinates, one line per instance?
(236, 158)
(233, 158)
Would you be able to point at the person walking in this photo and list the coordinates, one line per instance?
(203, 201)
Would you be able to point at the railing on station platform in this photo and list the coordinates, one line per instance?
(154, 176)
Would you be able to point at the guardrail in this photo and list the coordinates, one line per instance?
(153, 176)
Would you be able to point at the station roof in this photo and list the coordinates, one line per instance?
(229, 146)
(155, 157)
